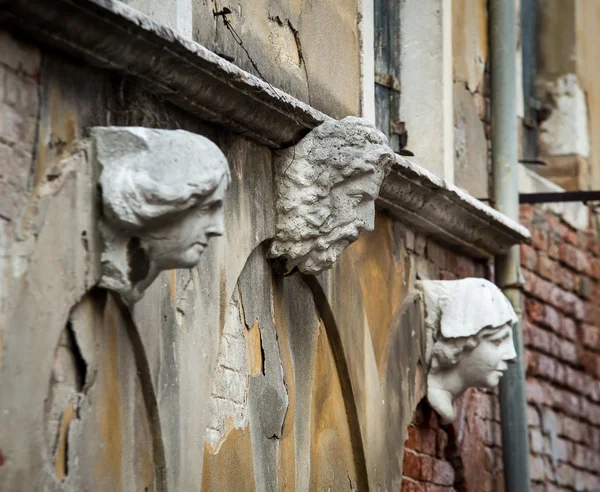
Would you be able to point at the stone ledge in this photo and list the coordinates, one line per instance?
(112, 35)
(446, 212)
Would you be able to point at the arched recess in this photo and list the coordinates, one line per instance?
(317, 377)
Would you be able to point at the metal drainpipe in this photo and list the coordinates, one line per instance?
(513, 407)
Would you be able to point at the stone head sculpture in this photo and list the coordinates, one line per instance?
(162, 201)
(469, 338)
(326, 189)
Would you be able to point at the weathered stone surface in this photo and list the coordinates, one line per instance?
(470, 145)
(426, 81)
(418, 197)
(469, 344)
(469, 42)
(162, 193)
(565, 132)
(327, 185)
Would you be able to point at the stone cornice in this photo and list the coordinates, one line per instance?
(111, 35)
(446, 212)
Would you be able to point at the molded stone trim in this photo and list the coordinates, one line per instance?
(447, 213)
(206, 85)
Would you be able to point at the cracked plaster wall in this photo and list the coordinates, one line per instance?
(313, 381)
(296, 46)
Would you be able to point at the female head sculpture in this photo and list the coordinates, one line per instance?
(469, 338)
(162, 200)
(326, 190)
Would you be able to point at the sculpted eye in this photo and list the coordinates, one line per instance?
(499, 340)
(211, 207)
(358, 197)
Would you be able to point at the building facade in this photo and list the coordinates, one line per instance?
(296, 352)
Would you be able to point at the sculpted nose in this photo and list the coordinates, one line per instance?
(216, 227)
(511, 354)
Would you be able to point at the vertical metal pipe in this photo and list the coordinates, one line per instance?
(513, 407)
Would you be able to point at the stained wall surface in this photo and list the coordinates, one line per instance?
(310, 49)
(225, 376)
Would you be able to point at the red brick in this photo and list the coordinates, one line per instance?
(537, 468)
(443, 473)
(555, 226)
(572, 238)
(426, 468)
(422, 439)
(567, 351)
(544, 366)
(590, 362)
(535, 310)
(590, 313)
(529, 257)
(565, 475)
(565, 278)
(595, 268)
(574, 258)
(546, 267)
(590, 411)
(568, 329)
(537, 286)
(572, 429)
(539, 239)
(533, 416)
(411, 466)
(409, 485)
(567, 302)
(553, 251)
(575, 380)
(590, 337)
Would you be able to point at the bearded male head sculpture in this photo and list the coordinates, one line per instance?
(326, 189)
(469, 338)
(162, 200)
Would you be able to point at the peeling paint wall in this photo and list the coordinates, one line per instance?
(472, 116)
(294, 45)
(223, 377)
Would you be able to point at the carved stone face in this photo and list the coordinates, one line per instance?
(180, 243)
(469, 344)
(488, 361)
(162, 201)
(326, 191)
(352, 211)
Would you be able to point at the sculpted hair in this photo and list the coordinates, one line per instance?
(334, 155)
(155, 174)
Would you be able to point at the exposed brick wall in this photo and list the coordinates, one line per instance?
(562, 338)
(19, 105)
(465, 455)
(561, 308)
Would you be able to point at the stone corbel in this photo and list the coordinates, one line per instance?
(326, 187)
(162, 200)
(469, 338)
